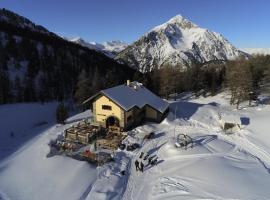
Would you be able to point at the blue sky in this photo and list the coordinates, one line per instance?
(245, 23)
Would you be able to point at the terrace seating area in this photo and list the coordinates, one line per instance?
(83, 133)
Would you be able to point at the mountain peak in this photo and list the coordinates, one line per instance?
(178, 21)
(177, 18)
(182, 22)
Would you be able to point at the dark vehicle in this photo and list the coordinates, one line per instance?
(122, 146)
(154, 162)
(132, 147)
(136, 145)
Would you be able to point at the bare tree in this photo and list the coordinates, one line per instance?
(239, 80)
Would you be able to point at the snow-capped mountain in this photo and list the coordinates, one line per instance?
(177, 42)
(115, 45)
(111, 48)
(263, 51)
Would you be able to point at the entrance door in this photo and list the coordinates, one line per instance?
(112, 121)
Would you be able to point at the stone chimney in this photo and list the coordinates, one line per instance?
(128, 82)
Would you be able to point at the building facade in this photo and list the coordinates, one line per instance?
(127, 106)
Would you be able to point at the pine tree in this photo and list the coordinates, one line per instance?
(97, 83)
(5, 88)
(43, 91)
(61, 113)
(29, 92)
(11, 46)
(239, 80)
(267, 79)
(83, 90)
(213, 85)
(18, 89)
(167, 81)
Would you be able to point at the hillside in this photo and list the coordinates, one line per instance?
(37, 65)
(177, 42)
(218, 166)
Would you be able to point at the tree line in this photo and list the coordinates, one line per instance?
(244, 78)
(198, 78)
(247, 78)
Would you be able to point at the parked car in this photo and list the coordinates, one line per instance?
(132, 147)
(136, 145)
(122, 146)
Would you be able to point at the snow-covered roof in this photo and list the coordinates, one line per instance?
(134, 94)
(230, 118)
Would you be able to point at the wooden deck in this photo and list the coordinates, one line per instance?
(86, 133)
(83, 133)
(112, 140)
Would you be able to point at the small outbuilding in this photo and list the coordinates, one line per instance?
(127, 105)
(230, 123)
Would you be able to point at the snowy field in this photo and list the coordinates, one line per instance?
(20, 123)
(219, 166)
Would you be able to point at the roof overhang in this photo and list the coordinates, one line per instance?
(91, 98)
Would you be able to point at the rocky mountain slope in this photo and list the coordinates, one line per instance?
(177, 42)
(111, 48)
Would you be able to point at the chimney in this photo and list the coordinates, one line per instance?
(128, 82)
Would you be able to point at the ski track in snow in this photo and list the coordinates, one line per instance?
(244, 145)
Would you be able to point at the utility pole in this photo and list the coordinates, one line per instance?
(174, 120)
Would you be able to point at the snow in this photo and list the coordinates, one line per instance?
(27, 170)
(178, 19)
(25, 121)
(219, 166)
(263, 51)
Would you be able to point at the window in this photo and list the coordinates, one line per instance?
(106, 107)
(129, 118)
